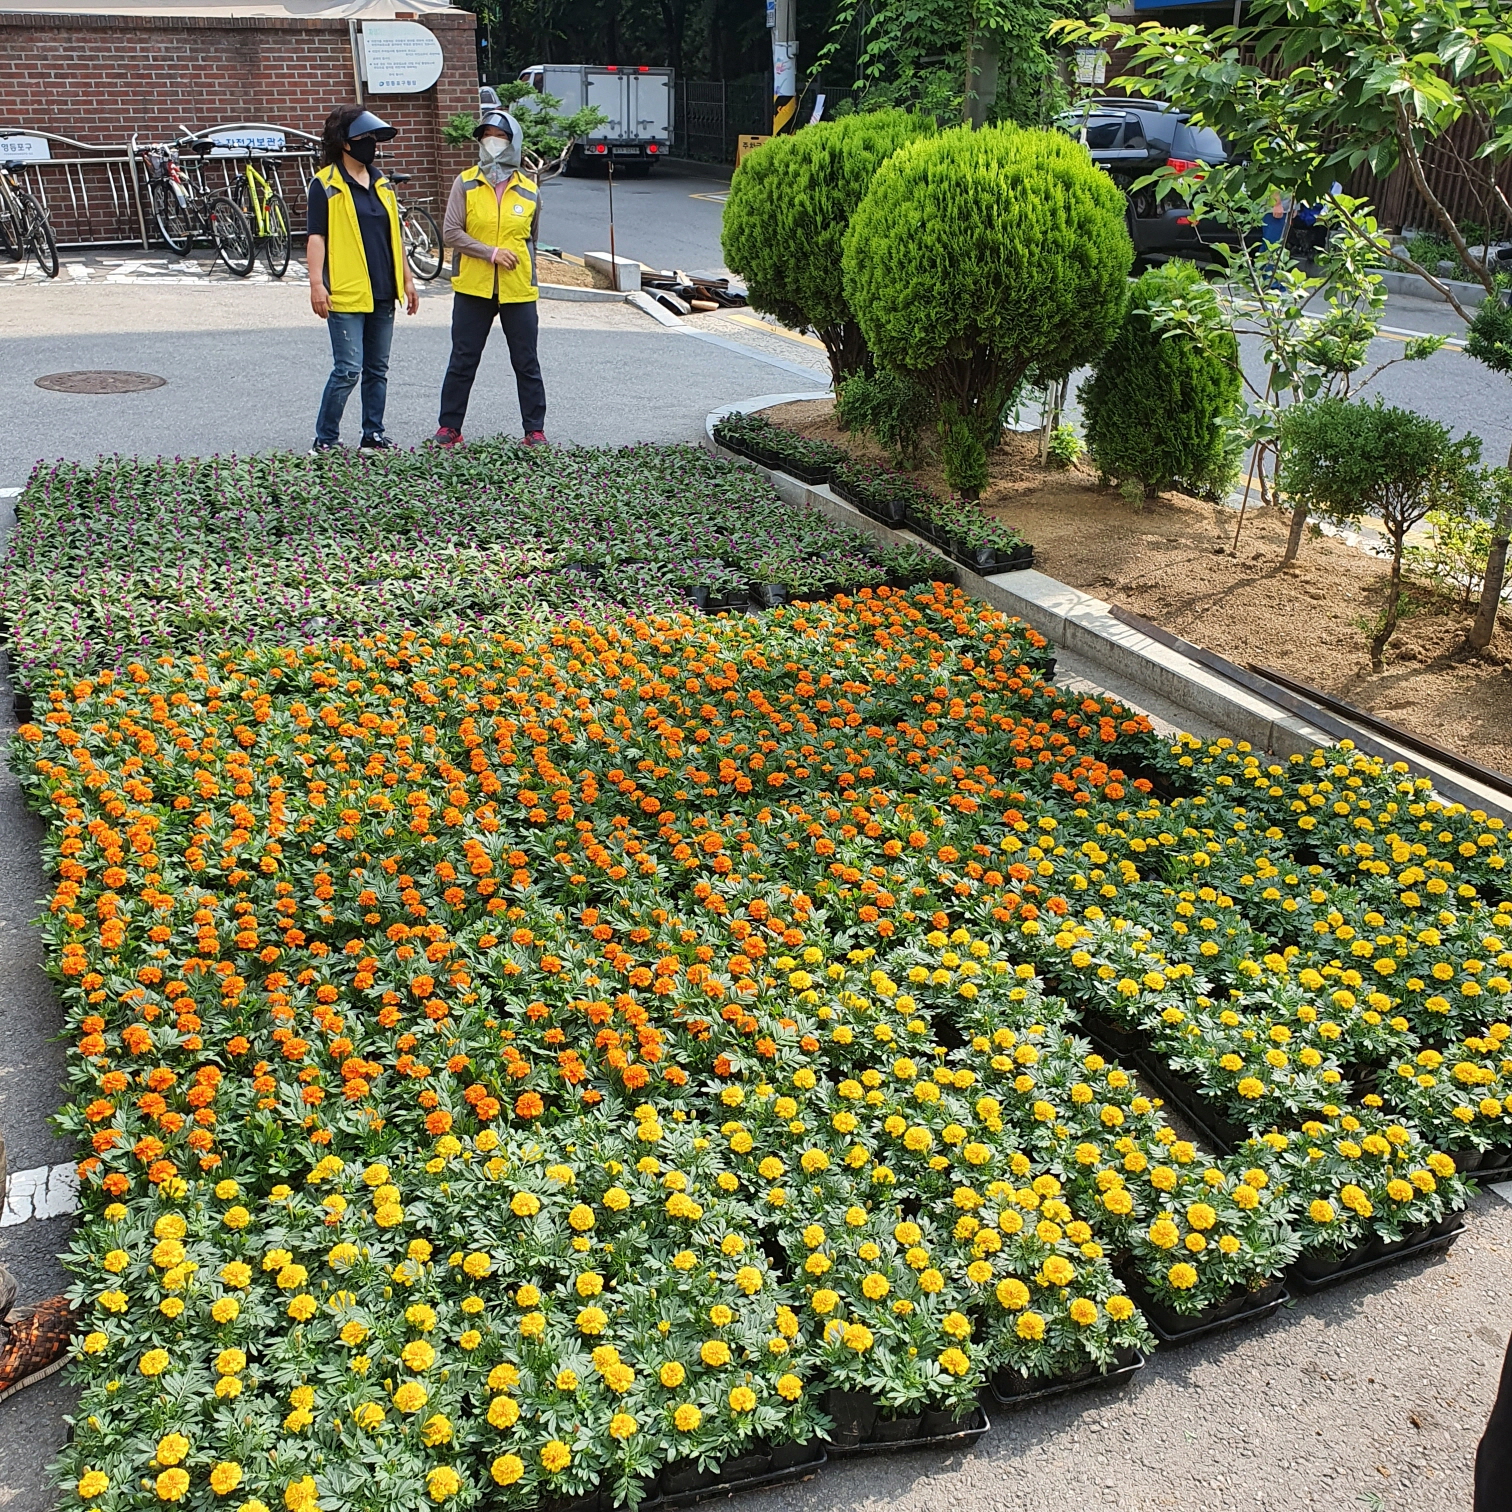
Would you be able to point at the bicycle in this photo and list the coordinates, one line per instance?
(265, 210)
(24, 226)
(420, 234)
(182, 212)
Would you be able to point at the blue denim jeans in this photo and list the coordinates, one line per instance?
(360, 349)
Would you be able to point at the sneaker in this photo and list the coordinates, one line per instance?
(446, 438)
(535, 438)
(324, 446)
(378, 443)
(37, 1344)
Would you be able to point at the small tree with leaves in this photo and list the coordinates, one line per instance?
(549, 136)
(1352, 460)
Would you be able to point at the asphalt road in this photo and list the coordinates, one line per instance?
(669, 220)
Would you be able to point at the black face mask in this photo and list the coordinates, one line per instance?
(364, 149)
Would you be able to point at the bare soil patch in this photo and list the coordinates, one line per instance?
(1173, 561)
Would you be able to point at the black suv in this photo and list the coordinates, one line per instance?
(1129, 138)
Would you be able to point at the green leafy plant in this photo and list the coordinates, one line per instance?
(1491, 343)
(978, 256)
(1347, 461)
(790, 203)
(1455, 555)
(1064, 448)
(1157, 404)
(892, 407)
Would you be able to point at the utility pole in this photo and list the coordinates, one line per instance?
(782, 21)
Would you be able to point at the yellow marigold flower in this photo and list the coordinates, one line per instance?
(686, 1418)
(1320, 1211)
(1012, 1294)
(418, 1355)
(1182, 1276)
(507, 1469)
(954, 1361)
(1399, 1190)
(172, 1448)
(1031, 1326)
(172, 1485)
(591, 1320)
(225, 1477)
(1201, 1216)
(442, 1482)
(742, 1399)
(411, 1397)
(154, 1362)
(1059, 1271)
(1083, 1311)
(789, 1387)
(720, 1315)
(1119, 1308)
(302, 1495)
(714, 1352)
(369, 1415)
(525, 1205)
(437, 1429)
(1164, 1234)
(622, 1426)
(858, 1337)
(555, 1456)
(824, 1300)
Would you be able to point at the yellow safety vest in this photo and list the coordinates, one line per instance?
(346, 269)
(499, 220)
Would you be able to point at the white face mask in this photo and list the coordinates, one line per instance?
(491, 149)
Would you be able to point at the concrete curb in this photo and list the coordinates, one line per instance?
(1419, 288)
(584, 296)
(1086, 627)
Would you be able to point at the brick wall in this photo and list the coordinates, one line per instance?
(100, 78)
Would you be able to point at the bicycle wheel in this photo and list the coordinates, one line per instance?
(422, 243)
(38, 235)
(275, 245)
(232, 234)
(10, 229)
(170, 209)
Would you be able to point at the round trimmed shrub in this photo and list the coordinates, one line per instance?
(1155, 406)
(978, 258)
(784, 222)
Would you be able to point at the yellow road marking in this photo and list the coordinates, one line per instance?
(772, 330)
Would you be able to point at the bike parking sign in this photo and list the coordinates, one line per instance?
(24, 149)
(248, 139)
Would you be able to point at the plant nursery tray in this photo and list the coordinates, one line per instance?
(979, 1424)
(1093, 1380)
(800, 1471)
(1350, 1269)
(1209, 1125)
(1226, 1316)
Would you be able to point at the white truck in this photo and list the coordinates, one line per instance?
(639, 104)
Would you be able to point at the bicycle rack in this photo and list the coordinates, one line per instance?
(72, 189)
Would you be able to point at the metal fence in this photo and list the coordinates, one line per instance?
(712, 115)
(100, 196)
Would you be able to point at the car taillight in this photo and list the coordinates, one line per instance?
(611, 68)
(644, 68)
(1181, 165)
(600, 149)
(652, 147)
(1183, 220)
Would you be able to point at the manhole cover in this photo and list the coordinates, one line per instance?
(100, 383)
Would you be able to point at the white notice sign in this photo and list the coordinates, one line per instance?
(24, 149)
(401, 57)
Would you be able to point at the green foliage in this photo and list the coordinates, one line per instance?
(784, 223)
(1491, 331)
(977, 257)
(1156, 406)
(892, 407)
(1065, 446)
(963, 454)
(458, 130)
(1455, 556)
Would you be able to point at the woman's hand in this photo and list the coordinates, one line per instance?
(411, 295)
(320, 299)
(505, 258)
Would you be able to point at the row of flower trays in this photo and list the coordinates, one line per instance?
(564, 1058)
(959, 528)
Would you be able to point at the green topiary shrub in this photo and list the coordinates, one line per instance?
(1154, 407)
(978, 257)
(790, 202)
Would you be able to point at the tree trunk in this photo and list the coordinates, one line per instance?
(1484, 627)
(846, 349)
(984, 87)
(1392, 615)
(1294, 537)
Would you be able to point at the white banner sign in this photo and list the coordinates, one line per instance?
(401, 57)
(239, 143)
(784, 68)
(24, 149)
(1091, 65)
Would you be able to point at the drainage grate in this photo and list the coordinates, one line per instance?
(100, 382)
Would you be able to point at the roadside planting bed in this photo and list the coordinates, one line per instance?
(592, 1058)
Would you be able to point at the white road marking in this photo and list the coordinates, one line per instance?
(1503, 1189)
(41, 1192)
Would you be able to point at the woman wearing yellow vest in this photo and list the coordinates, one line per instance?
(491, 220)
(357, 268)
